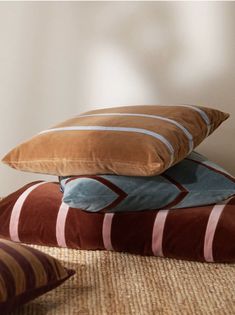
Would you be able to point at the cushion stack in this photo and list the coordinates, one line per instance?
(129, 180)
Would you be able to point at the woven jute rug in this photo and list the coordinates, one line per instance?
(109, 283)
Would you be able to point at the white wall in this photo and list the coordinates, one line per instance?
(58, 59)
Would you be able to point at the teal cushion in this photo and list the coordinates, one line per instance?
(195, 181)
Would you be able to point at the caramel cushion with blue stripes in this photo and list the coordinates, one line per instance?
(36, 214)
(26, 273)
(195, 181)
(129, 140)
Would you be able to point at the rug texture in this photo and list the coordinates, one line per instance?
(110, 283)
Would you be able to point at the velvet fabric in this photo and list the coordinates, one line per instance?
(26, 273)
(129, 140)
(36, 214)
(195, 181)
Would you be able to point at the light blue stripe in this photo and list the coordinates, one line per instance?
(122, 129)
(185, 131)
(202, 114)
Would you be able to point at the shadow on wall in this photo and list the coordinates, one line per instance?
(167, 53)
(61, 58)
(181, 52)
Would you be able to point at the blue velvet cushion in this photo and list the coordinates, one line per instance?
(195, 181)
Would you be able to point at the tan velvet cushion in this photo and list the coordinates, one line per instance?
(129, 140)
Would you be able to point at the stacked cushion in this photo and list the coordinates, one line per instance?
(130, 140)
(26, 273)
(195, 181)
(36, 214)
(130, 167)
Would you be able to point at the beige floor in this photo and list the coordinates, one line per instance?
(108, 283)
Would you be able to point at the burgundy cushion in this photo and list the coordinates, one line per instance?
(35, 214)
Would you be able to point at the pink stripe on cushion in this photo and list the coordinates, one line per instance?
(107, 226)
(60, 225)
(210, 230)
(15, 214)
(158, 229)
